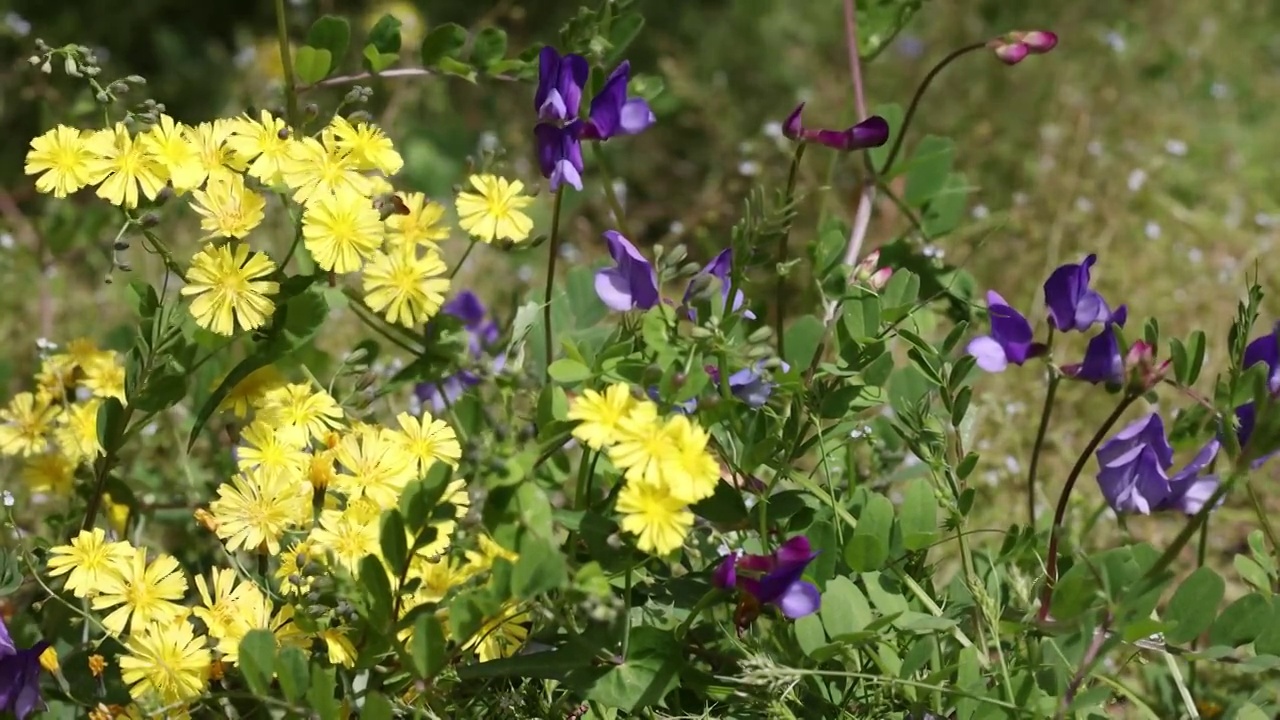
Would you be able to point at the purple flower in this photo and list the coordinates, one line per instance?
(1102, 360)
(632, 282)
(719, 267)
(482, 333)
(1134, 466)
(1072, 304)
(19, 676)
(872, 132)
(774, 579)
(613, 113)
(1266, 350)
(1011, 339)
(751, 386)
(560, 153)
(560, 83)
(467, 307)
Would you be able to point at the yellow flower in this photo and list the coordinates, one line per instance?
(271, 452)
(227, 601)
(104, 376)
(643, 448)
(49, 660)
(227, 207)
(321, 469)
(427, 440)
(265, 142)
(168, 661)
(437, 575)
(693, 473)
(489, 551)
(404, 287)
(217, 161)
(349, 534)
(291, 571)
(169, 143)
(251, 390)
(117, 514)
(659, 521)
(57, 375)
(255, 509)
(374, 467)
(27, 422)
(598, 414)
(339, 647)
(122, 166)
(494, 212)
(229, 288)
(51, 472)
(88, 561)
(502, 636)
(368, 147)
(315, 169)
(342, 230)
(76, 433)
(145, 592)
(422, 226)
(63, 156)
(298, 408)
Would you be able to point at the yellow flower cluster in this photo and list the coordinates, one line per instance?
(665, 462)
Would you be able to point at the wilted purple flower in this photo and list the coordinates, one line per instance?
(560, 83)
(872, 132)
(774, 579)
(1072, 304)
(1011, 339)
(1102, 360)
(719, 267)
(1134, 466)
(19, 676)
(613, 113)
(632, 282)
(560, 153)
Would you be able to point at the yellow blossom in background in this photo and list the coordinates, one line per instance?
(104, 376)
(488, 551)
(169, 143)
(437, 576)
(51, 472)
(117, 514)
(315, 169)
(427, 440)
(63, 160)
(349, 535)
(373, 467)
(76, 431)
(322, 469)
(227, 208)
(57, 375)
(49, 660)
(423, 225)
(339, 647)
(251, 390)
(167, 661)
(259, 613)
(342, 230)
(404, 287)
(659, 521)
(228, 288)
(264, 143)
(225, 601)
(367, 146)
(25, 425)
(598, 414)
(88, 561)
(693, 474)
(413, 26)
(292, 563)
(643, 448)
(217, 161)
(493, 212)
(297, 407)
(500, 637)
(146, 592)
(122, 167)
(271, 452)
(255, 509)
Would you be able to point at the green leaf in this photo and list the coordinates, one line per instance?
(918, 515)
(421, 496)
(269, 353)
(653, 329)
(1249, 711)
(944, 213)
(1193, 606)
(845, 609)
(376, 593)
(385, 34)
(550, 665)
(1195, 352)
(1178, 354)
(110, 422)
(320, 696)
(868, 549)
(822, 534)
(161, 391)
(1241, 622)
(801, 340)
(293, 672)
(1253, 573)
(650, 671)
(394, 540)
(331, 33)
(375, 61)
(567, 371)
(489, 47)
(257, 660)
(312, 65)
(445, 41)
(539, 569)
(725, 507)
(376, 707)
(426, 647)
(928, 169)
(809, 634)
(622, 32)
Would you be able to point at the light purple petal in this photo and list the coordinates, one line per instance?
(801, 599)
(988, 353)
(613, 289)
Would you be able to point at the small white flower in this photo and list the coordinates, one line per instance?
(1084, 205)
(7, 498)
(749, 168)
(1175, 147)
(980, 212)
(1195, 255)
(1219, 90)
(677, 228)
(488, 141)
(1116, 41)
(524, 273)
(569, 252)
(1137, 178)
(6, 241)
(772, 129)
(1152, 230)
(17, 24)
(1094, 147)
(1012, 464)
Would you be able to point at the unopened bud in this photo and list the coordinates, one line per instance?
(1141, 367)
(760, 334)
(1038, 42)
(1011, 53)
(149, 220)
(880, 278)
(311, 110)
(69, 66)
(136, 79)
(120, 245)
(47, 67)
(698, 332)
(118, 87)
(34, 59)
(91, 70)
(283, 133)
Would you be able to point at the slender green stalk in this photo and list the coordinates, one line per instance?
(552, 252)
(1055, 534)
(610, 194)
(915, 102)
(458, 265)
(626, 628)
(1045, 413)
(1264, 519)
(286, 63)
(780, 290)
(586, 473)
(1202, 551)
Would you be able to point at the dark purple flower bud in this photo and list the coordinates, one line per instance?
(751, 386)
(467, 307)
(872, 132)
(1102, 361)
(782, 585)
(791, 127)
(725, 575)
(613, 113)
(19, 676)
(560, 83)
(719, 267)
(1011, 339)
(560, 153)
(632, 282)
(1134, 465)
(1072, 304)
(1011, 53)
(1038, 42)
(1266, 350)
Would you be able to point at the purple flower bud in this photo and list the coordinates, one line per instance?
(1102, 361)
(1011, 53)
(632, 283)
(872, 132)
(19, 676)
(725, 575)
(719, 268)
(560, 83)
(560, 153)
(791, 127)
(1011, 339)
(1038, 42)
(1072, 304)
(613, 113)
(1266, 350)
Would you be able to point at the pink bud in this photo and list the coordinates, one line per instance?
(1012, 53)
(880, 278)
(791, 127)
(869, 263)
(1143, 370)
(1039, 42)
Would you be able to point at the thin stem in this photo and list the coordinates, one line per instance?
(458, 266)
(1202, 551)
(610, 194)
(1045, 413)
(855, 58)
(1051, 571)
(586, 473)
(915, 101)
(626, 628)
(553, 251)
(286, 62)
(780, 290)
(1268, 528)
(389, 74)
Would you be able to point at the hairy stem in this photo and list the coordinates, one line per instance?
(553, 251)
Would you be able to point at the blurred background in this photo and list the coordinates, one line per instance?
(1148, 136)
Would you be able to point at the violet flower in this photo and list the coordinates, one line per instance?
(560, 153)
(1072, 304)
(482, 333)
(872, 132)
(774, 579)
(631, 283)
(19, 676)
(719, 268)
(467, 307)
(1264, 350)
(1102, 360)
(613, 113)
(750, 384)
(1011, 339)
(560, 83)
(1134, 471)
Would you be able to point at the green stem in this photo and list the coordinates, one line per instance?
(1264, 520)
(915, 102)
(626, 628)
(708, 599)
(458, 266)
(586, 473)
(780, 289)
(377, 324)
(1055, 534)
(552, 252)
(1202, 551)
(1045, 413)
(610, 195)
(286, 63)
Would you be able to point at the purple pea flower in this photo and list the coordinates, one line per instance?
(1134, 466)
(560, 83)
(19, 676)
(1266, 350)
(1072, 304)
(774, 579)
(613, 113)
(1102, 360)
(1011, 339)
(872, 132)
(467, 307)
(751, 386)
(482, 333)
(719, 267)
(560, 153)
(631, 283)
